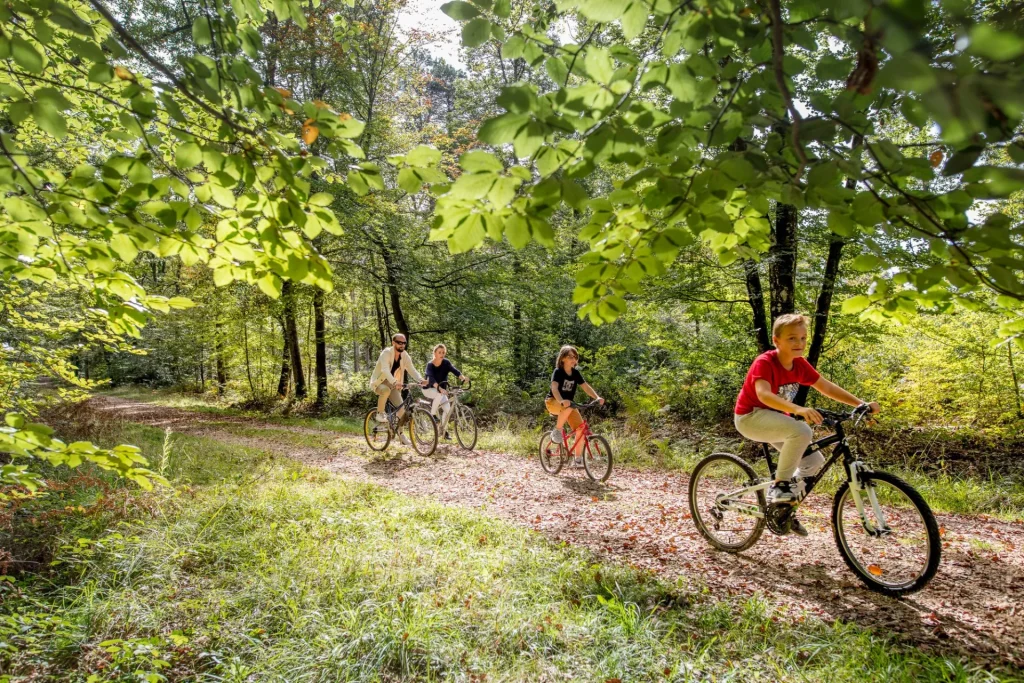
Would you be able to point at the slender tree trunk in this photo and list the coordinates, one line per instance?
(355, 332)
(202, 369)
(755, 295)
(1013, 376)
(286, 366)
(782, 261)
(298, 377)
(380, 321)
(222, 375)
(321, 345)
(393, 273)
(248, 365)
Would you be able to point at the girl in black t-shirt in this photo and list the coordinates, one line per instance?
(564, 381)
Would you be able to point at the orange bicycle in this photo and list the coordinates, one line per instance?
(595, 452)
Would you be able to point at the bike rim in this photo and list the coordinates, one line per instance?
(715, 499)
(598, 463)
(550, 456)
(895, 558)
(376, 433)
(465, 426)
(423, 432)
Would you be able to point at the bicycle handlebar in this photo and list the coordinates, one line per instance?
(585, 406)
(833, 417)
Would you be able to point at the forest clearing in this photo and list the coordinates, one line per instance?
(511, 340)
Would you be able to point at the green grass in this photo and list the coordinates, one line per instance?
(254, 568)
(203, 404)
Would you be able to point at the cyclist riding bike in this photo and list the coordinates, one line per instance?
(388, 377)
(765, 410)
(564, 382)
(437, 372)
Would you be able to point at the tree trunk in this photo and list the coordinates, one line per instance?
(218, 349)
(392, 271)
(755, 295)
(286, 366)
(1013, 376)
(319, 326)
(782, 261)
(248, 364)
(380, 321)
(288, 297)
(355, 332)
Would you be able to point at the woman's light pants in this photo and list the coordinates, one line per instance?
(440, 401)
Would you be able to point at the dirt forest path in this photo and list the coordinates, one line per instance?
(973, 607)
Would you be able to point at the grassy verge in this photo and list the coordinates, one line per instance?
(253, 568)
(201, 404)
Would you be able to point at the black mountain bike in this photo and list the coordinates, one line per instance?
(883, 528)
(422, 428)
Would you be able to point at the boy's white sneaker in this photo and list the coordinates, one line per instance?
(382, 417)
(781, 493)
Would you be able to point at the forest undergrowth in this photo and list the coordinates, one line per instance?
(253, 567)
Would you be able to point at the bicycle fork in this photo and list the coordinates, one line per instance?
(859, 489)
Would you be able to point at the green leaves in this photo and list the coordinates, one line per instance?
(476, 32)
(188, 155)
(460, 11)
(26, 55)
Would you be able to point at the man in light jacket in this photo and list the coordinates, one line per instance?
(389, 374)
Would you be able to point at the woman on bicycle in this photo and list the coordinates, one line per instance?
(765, 409)
(564, 381)
(438, 370)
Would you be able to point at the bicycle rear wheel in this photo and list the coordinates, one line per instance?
(598, 461)
(422, 432)
(724, 514)
(465, 426)
(552, 455)
(895, 548)
(378, 434)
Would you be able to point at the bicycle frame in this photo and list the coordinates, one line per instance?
(851, 465)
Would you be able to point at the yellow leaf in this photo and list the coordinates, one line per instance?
(936, 158)
(875, 569)
(310, 134)
(123, 73)
(284, 92)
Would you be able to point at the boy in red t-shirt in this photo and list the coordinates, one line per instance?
(767, 396)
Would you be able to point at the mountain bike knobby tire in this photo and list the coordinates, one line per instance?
(698, 516)
(370, 424)
(934, 540)
(596, 471)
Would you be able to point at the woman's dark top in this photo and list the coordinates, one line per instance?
(437, 375)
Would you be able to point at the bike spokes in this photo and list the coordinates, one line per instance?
(884, 534)
(724, 508)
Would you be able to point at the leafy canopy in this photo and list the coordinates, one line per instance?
(713, 110)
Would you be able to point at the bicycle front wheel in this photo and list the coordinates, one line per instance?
(465, 427)
(724, 508)
(422, 432)
(597, 460)
(378, 434)
(552, 455)
(894, 546)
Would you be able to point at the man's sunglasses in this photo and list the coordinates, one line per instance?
(402, 343)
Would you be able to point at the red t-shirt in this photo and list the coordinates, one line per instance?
(784, 382)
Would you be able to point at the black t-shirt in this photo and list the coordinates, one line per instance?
(566, 383)
(395, 365)
(437, 375)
